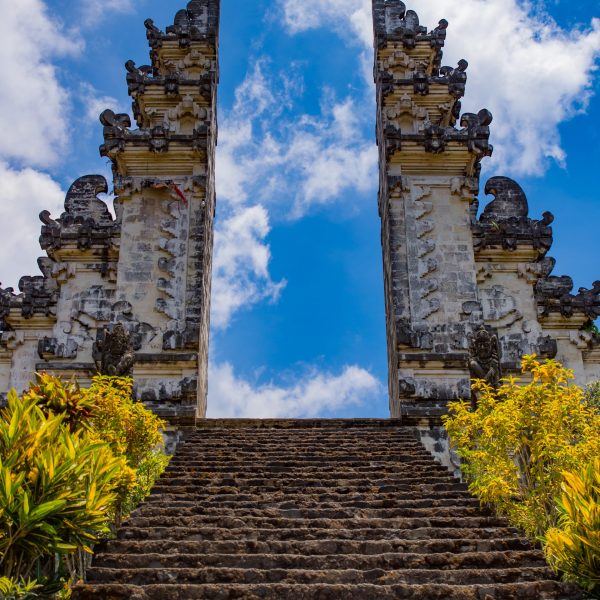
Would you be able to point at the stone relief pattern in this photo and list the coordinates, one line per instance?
(422, 263)
(173, 260)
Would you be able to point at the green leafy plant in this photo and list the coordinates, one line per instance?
(56, 487)
(18, 590)
(54, 396)
(573, 547)
(521, 438)
(592, 327)
(73, 462)
(592, 395)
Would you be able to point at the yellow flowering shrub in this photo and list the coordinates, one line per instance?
(521, 438)
(574, 546)
(132, 431)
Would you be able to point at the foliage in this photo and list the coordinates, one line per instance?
(21, 590)
(592, 395)
(592, 327)
(56, 486)
(574, 546)
(132, 431)
(521, 438)
(54, 396)
(73, 461)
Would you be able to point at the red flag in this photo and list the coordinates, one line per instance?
(179, 193)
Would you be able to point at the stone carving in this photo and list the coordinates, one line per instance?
(457, 79)
(175, 229)
(438, 35)
(484, 357)
(509, 200)
(505, 223)
(408, 115)
(197, 22)
(190, 21)
(186, 110)
(499, 307)
(86, 222)
(435, 138)
(159, 140)
(393, 136)
(547, 347)
(554, 296)
(472, 293)
(421, 83)
(113, 352)
(52, 348)
(11, 340)
(38, 295)
(477, 127)
(153, 33)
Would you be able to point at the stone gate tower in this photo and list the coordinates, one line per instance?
(466, 296)
(144, 276)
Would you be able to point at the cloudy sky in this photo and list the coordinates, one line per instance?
(298, 311)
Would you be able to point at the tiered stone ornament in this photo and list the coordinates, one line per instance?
(451, 277)
(147, 271)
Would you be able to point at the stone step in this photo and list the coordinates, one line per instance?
(306, 462)
(307, 501)
(155, 575)
(321, 495)
(364, 533)
(540, 590)
(291, 486)
(355, 562)
(323, 510)
(335, 479)
(264, 442)
(367, 472)
(227, 522)
(391, 467)
(312, 513)
(308, 451)
(319, 547)
(308, 448)
(312, 424)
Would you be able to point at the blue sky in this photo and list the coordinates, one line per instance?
(298, 315)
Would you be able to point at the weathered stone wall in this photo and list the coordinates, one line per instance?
(466, 295)
(150, 267)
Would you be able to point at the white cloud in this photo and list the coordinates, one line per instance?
(95, 103)
(529, 72)
(94, 11)
(291, 162)
(241, 265)
(34, 107)
(301, 15)
(272, 162)
(23, 195)
(314, 394)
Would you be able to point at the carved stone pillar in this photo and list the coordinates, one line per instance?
(429, 177)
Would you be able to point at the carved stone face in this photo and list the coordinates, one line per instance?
(483, 346)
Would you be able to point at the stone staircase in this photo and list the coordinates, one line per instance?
(345, 510)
